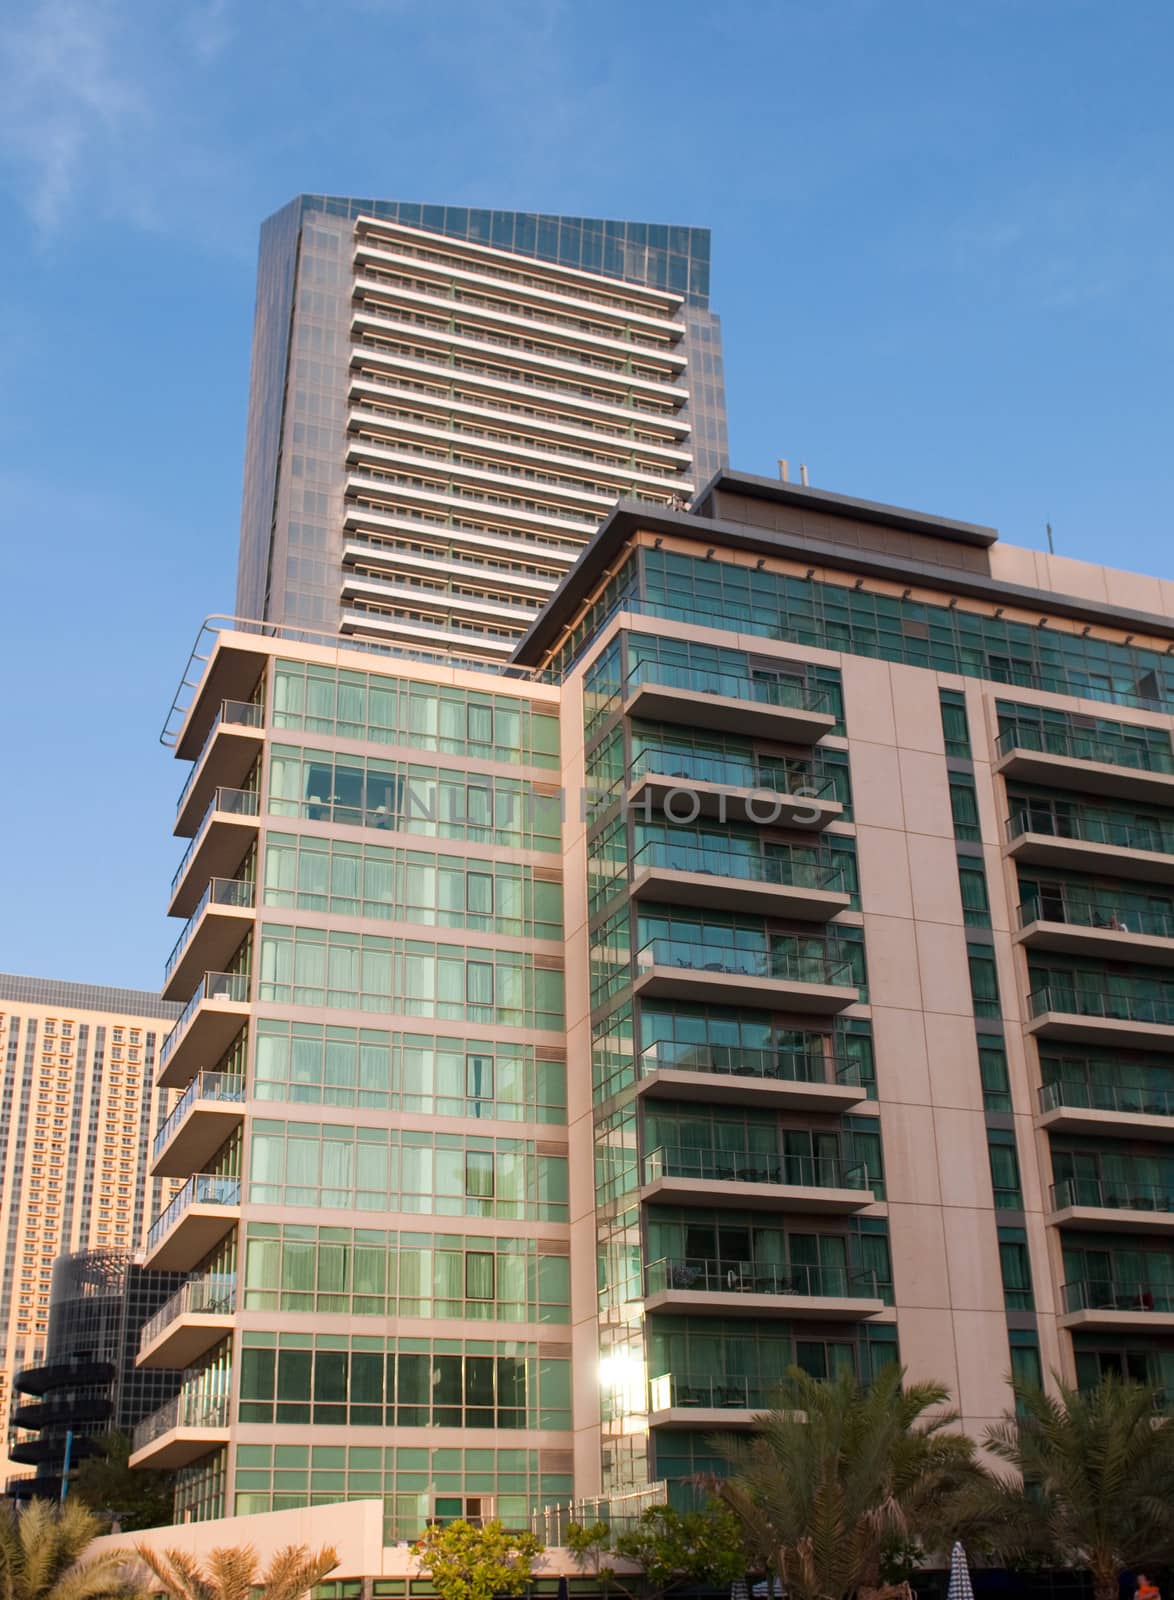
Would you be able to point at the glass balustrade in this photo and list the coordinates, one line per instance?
(227, 1086)
(228, 986)
(212, 1295)
(234, 892)
(1079, 746)
(1110, 1294)
(1070, 999)
(703, 956)
(1138, 1099)
(730, 1166)
(232, 713)
(224, 802)
(204, 1189)
(1110, 1194)
(745, 1277)
(785, 871)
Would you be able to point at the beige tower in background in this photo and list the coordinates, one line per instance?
(78, 1111)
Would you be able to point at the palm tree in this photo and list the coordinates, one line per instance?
(232, 1573)
(841, 1475)
(40, 1556)
(1099, 1464)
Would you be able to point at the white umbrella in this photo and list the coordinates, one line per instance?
(960, 1585)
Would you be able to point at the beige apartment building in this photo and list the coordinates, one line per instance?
(78, 1110)
(771, 965)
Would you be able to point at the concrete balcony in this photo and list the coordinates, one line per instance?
(1124, 770)
(387, 245)
(1086, 844)
(1102, 1304)
(764, 707)
(218, 848)
(196, 1318)
(687, 874)
(787, 1080)
(1104, 1206)
(724, 1180)
(564, 400)
(551, 324)
(187, 1427)
(536, 513)
(208, 1024)
(717, 1405)
(739, 1288)
(561, 489)
(682, 796)
(1078, 925)
(209, 1111)
(685, 969)
(520, 355)
(230, 749)
(1125, 1110)
(1061, 1011)
(201, 1214)
(596, 464)
(444, 407)
(212, 935)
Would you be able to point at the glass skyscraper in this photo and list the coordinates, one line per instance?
(446, 402)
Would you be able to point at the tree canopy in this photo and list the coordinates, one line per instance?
(844, 1475)
(42, 1548)
(476, 1563)
(232, 1573)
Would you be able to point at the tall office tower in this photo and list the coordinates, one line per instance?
(88, 1382)
(78, 1108)
(445, 403)
(830, 1022)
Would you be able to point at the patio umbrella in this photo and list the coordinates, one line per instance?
(960, 1585)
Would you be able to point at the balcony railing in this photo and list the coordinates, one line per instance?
(735, 1166)
(212, 1295)
(183, 1410)
(204, 1189)
(370, 416)
(1137, 1099)
(770, 691)
(233, 714)
(1109, 1294)
(204, 1086)
(1069, 999)
(673, 1390)
(1080, 746)
(744, 1277)
(700, 956)
(1086, 911)
(226, 802)
(1093, 830)
(231, 986)
(1109, 1194)
(546, 384)
(782, 1065)
(238, 892)
(768, 777)
(717, 861)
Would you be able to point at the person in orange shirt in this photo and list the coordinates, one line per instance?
(1145, 1589)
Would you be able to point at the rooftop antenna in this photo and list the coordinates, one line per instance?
(784, 470)
(1051, 546)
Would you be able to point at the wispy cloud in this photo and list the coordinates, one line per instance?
(63, 88)
(210, 29)
(1062, 243)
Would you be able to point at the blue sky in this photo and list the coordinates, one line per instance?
(943, 256)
